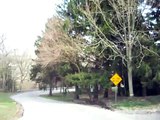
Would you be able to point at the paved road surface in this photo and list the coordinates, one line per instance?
(37, 108)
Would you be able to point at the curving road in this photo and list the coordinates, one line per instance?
(37, 108)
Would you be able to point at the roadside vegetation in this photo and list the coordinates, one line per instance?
(134, 103)
(8, 107)
(14, 70)
(138, 102)
(91, 40)
(60, 97)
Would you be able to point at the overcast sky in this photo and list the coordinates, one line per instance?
(21, 21)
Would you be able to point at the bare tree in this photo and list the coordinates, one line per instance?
(56, 45)
(4, 63)
(22, 64)
(13, 67)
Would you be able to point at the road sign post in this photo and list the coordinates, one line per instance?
(116, 79)
(116, 90)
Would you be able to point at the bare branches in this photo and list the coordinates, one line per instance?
(56, 45)
(2, 46)
(121, 22)
(22, 63)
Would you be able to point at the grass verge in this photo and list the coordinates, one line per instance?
(60, 97)
(8, 107)
(123, 102)
(138, 102)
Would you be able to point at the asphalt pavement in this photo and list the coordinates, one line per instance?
(38, 108)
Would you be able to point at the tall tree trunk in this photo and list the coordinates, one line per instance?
(21, 85)
(95, 92)
(76, 69)
(13, 86)
(50, 87)
(158, 89)
(129, 67)
(144, 89)
(105, 95)
(76, 92)
(3, 82)
(89, 93)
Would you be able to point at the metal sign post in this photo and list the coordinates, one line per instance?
(116, 79)
(116, 90)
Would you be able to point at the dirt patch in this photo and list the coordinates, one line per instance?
(100, 103)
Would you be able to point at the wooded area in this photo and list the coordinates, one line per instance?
(91, 40)
(14, 68)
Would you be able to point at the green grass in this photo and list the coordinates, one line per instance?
(129, 103)
(154, 99)
(8, 107)
(138, 102)
(60, 97)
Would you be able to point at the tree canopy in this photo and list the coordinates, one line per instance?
(103, 37)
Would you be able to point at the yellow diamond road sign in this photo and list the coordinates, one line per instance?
(116, 79)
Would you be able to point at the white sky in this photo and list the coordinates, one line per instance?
(21, 21)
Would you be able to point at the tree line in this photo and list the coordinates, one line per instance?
(91, 40)
(14, 68)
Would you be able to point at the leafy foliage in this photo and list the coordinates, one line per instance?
(82, 79)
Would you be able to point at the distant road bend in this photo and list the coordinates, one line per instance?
(37, 108)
